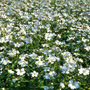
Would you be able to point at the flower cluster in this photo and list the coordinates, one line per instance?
(45, 44)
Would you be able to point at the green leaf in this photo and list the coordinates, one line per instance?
(42, 86)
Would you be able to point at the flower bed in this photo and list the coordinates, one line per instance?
(44, 45)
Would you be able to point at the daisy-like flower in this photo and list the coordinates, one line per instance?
(87, 48)
(20, 71)
(45, 45)
(23, 63)
(73, 85)
(10, 71)
(83, 71)
(5, 61)
(33, 55)
(51, 59)
(1, 48)
(22, 57)
(39, 63)
(52, 73)
(18, 44)
(2, 40)
(57, 42)
(39, 57)
(48, 36)
(14, 80)
(34, 74)
(62, 85)
(13, 52)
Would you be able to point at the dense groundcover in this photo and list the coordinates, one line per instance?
(44, 45)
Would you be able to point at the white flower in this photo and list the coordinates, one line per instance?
(3, 88)
(46, 76)
(76, 54)
(86, 72)
(39, 57)
(87, 48)
(18, 44)
(34, 74)
(40, 63)
(2, 40)
(77, 49)
(13, 52)
(84, 40)
(57, 42)
(51, 59)
(28, 40)
(66, 54)
(5, 61)
(1, 48)
(83, 71)
(65, 14)
(8, 37)
(10, 71)
(33, 55)
(20, 71)
(73, 85)
(52, 73)
(62, 85)
(22, 57)
(48, 36)
(79, 59)
(23, 63)
(59, 35)
(45, 45)
(14, 80)
(46, 68)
